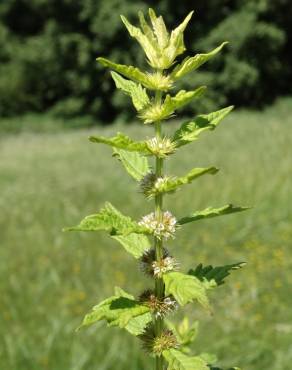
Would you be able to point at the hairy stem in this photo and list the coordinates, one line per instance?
(159, 285)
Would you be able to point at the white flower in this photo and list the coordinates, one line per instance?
(161, 229)
(165, 265)
(161, 147)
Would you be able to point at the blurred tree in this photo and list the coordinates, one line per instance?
(48, 51)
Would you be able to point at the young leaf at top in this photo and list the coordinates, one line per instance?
(149, 46)
(217, 274)
(189, 131)
(185, 288)
(121, 141)
(135, 164)
(120, 310)
(138, 94)
(159, 29)
(160, 48)
(111, 220)
(176, 44)
(179, 361)
(159, 112)
(190, 64)
(212, 212)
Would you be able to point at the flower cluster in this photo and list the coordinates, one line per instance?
(161, 147)
(160, 307)
(164, 228)
(150, 266)
(151, 185)
(157, 344)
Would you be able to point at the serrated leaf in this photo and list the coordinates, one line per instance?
(130, 72)
(136, 326)
(135, 164)
(189, 131)
(136, 244)
(109, 219)
(179, 361)
(119, 310)
(212, 212)
(190, 64)
(217, 274)
(171, 184)
(185, 288)
(137, 93)
(171, 103)
(121, 141)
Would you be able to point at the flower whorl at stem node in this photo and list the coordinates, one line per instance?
(157, 344)
(160, 307)
(161, 147)
(161, 229)
(151, 185)
(151, 267)
(159, 81)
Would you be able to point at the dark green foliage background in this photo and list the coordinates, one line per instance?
(48, 51)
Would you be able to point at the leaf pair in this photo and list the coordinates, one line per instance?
(187, 133)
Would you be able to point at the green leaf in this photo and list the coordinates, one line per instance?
(130, 72)
(212, 212)
(171, 184)
(182, 98)
(138, 94)
(217, 274)
(179, 361)
(190, 64)
(135, 164)
(109, 219)
(121, 141)
(136, 244)
(156, 112)
(120, 310)
(184, 332)
(189, 131)
(185, 288)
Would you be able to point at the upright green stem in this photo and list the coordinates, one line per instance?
(159, 285)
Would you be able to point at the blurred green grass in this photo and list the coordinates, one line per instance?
(50, 279)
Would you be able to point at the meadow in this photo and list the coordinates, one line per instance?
(50, 279)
